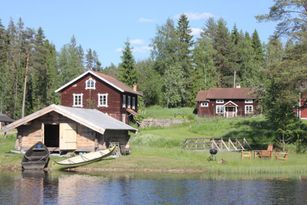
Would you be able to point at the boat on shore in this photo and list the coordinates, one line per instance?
(37, 157)
(84, 159)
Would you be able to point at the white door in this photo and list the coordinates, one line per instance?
(68, 136)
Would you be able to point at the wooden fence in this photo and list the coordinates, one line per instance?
(203, 143)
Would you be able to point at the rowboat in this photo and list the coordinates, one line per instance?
(37, 157)
(84, 159)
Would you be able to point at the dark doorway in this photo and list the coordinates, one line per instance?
(51, 135)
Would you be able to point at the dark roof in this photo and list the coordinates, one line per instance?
(117, 83)
(5, 118)
(226, 93)
(122, 87)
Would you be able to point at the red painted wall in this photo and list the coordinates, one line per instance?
(211, 109)
(90, 97)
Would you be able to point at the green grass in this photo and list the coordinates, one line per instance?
(158, 112)
(160, 149)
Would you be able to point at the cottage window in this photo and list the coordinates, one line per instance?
(219, 101)
(249, 109)
(78, 100)
(220, 109)
(133, 102)
(90, 84)
(204, 104)
(248, 101)
(103, 100)
(129, 101)
(124, 101)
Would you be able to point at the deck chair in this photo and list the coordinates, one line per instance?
(281, 156)
(265, 153)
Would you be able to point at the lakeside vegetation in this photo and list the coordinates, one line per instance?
(159, 150)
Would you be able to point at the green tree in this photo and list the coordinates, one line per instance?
(127, 71)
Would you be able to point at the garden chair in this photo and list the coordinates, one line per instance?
(265, 153)
(281, 156)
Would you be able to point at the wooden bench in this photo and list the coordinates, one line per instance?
(264, 153)
(281, 156)
(246, 154)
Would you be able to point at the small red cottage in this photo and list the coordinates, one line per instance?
(226, 102)
(96, 90)
(302, 110)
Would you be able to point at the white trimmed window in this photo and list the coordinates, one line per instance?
(220, 109)
(219, 101)
(249, 109)
(124, 101)
(90, 84)
(103, 100)
(249, 101)
(78, 100)
(129, 101)
(204, 104)
(133, 102)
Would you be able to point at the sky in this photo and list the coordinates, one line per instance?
(105, 25)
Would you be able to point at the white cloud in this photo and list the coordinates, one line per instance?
(137, 42)
(146, 20)
(196, 31)
(193, 16)
(142, 49)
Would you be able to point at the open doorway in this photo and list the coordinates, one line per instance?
(51, 135)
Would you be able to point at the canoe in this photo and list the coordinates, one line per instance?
(84, 159)
(37, 157)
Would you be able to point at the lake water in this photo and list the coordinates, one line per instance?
(73, 188)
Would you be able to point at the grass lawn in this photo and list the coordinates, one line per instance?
(160, 149)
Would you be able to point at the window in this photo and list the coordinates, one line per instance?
(219, 101)
(249, 109)
(124, 101)
(78, 100)
(133, 102)
(248, 101)
(204, 104)
(220, 109)
(103, 100)
(90, 84)
(129, 101)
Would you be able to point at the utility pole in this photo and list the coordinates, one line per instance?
(25, 85)
(234, 79)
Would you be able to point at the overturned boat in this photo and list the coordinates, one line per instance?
(37, 157)
(84, 159)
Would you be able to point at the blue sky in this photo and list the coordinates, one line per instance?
(105, 25)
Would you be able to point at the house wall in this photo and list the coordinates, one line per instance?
(86, 139)
(211, 109)
(90, 97)
(303, 104)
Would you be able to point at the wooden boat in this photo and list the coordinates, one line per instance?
(37, 157)
(84, 159)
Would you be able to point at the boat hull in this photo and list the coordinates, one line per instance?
(36, 158)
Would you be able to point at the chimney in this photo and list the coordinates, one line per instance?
(135, 87)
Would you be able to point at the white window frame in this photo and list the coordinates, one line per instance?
(100, 99)
(219, 101)
(75, 101)
(129, 101)
(204, 104)
(124, 101)
(217, 110)
(249, 101)
(248, 109)
(133, 102)
(89, 85)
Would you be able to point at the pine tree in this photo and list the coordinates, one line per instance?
(127, 71)
(89, 60)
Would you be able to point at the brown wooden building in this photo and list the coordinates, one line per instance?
(63, 128)
(4, 120)
(96, 90)
(226, 102)
(302, 108)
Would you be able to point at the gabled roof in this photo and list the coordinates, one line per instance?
(226, 93)
(90, 118)
(5, 118)
(120, 86)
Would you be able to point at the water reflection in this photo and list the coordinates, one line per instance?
(67, 188)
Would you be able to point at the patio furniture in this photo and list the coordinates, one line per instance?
(281, 156)
(246, 154)
(264, 153)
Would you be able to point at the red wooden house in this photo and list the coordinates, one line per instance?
(226, 102)
(103, 92)
(302, 110)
